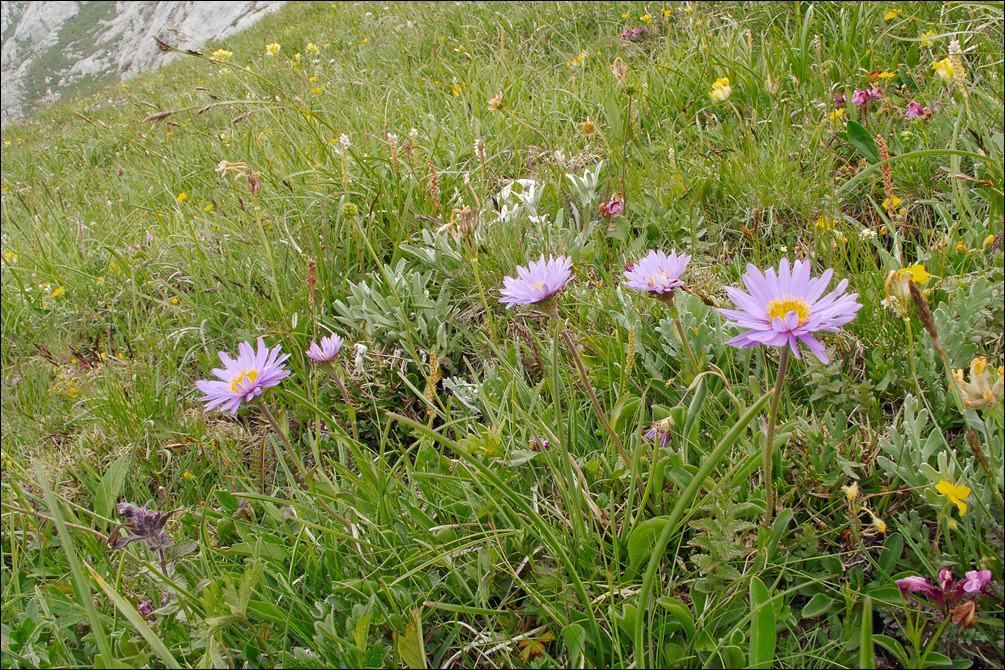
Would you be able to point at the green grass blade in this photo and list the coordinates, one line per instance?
(80, 585)
(136, 620)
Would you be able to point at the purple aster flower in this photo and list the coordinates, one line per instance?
(326, 353)
(660, 432)
(540, 281)
(788, 308)
(914, 110)
(244, 378)
(657, 272)
(976, 580)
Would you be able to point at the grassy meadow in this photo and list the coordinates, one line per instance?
(601, 481)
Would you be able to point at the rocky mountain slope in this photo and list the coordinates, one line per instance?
(50, 48)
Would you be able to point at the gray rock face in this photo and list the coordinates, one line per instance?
(49, 46)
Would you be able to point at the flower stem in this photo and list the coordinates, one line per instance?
(268, 251)
(769, 488)
(684, 342)
(910, 358)
(593, 396)
(345, 398)
(285, 440)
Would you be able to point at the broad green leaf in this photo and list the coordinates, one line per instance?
(641, 541)
(863, 141)
(762, 625)
(410, 644)
(680, 612)
(818, 604)
(575, 641)
(111, 485)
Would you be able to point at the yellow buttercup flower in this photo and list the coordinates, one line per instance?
(892, 14)
(208, 207)
(182, 197)
(836, 114)
(311, 48)
(956, 494)
(645, 18)
(988, 241)
(58, 292)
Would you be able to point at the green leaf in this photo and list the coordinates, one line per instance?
(624, 411)
(410, 644)
(866, 652)
(641, 540)
(912, 55)
(863, 141)
(894, 647)
(818, 604)
(111, 485)
(575, 640)
(680, 612)
(762, 625)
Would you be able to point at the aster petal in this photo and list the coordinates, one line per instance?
(816, 347)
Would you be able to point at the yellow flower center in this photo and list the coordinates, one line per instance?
(244, 381)
(662, 273)
(537, 285)
(780, 307)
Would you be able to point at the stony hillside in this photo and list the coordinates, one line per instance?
(51, 48)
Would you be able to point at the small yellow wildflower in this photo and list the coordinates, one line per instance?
(851, 492)
(272, 49)
(208, 207)
(222, 54)
(961, 246)
(496, 103)
(311, 48)
(945, 69)
(182, 197)
(926, 36)
(836, 114)
(917, 273)
(645, 18)
(892, 14)
(174, 301)
(988, 241)
(296, 58)
(316, 91)
(878, 525)
(956, 494)
(981, 391)
(721, 90)
(666, 12)
(588, 126)
(886, 75)
(188, 475)
(625, 15)
(891, 203)
(58, 292)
